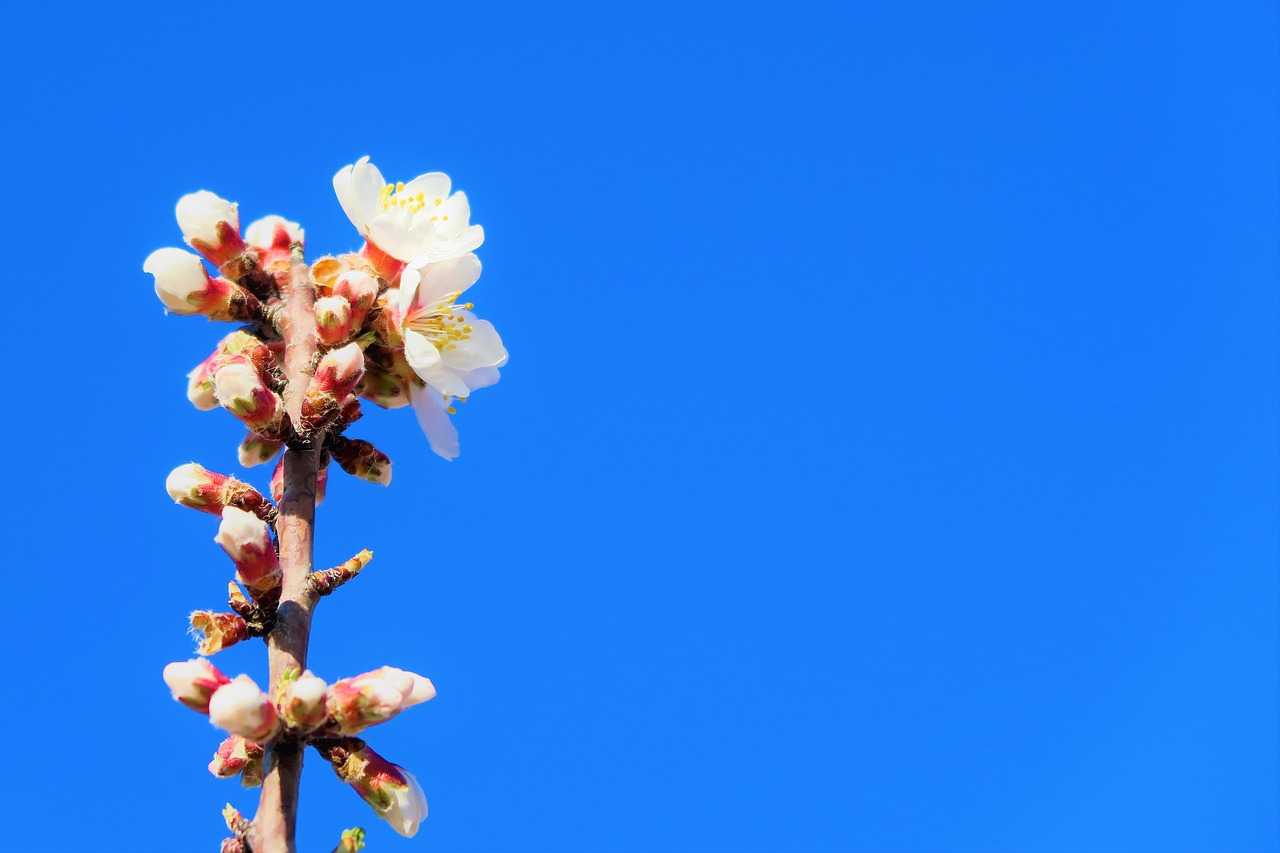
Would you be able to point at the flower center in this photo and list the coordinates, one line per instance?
(393, 197)
(441, 323)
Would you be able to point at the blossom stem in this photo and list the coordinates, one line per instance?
(276, 820)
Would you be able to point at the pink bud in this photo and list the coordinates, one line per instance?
(302, 702)
(333, 320)
(247, 541)
(256, 450)
(242, 709)
(236, 755)
(389, 789)
(211, 226)
(242, 392)
(360, 290)
(196, 487)
(194, 682)
(274, 233)
(339, 371)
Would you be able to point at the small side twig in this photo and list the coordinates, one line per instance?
(328, 580)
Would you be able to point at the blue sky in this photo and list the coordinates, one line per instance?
(887, 458)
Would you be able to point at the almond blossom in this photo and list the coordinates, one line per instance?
(410, 220)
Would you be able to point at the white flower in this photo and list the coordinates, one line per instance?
(182, 283)
(407, 221)
(273, 232)
(199, 214)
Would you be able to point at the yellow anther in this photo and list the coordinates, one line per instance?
(400, 186)
(434, 218)
(439, 200)
(451, 410)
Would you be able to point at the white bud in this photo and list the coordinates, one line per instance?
(199, 214)
(184, 480)
(200, 389)
(408, 806)
(193, 682)
(243, 535)
(242, 709)
(180, 278)
(264, 232)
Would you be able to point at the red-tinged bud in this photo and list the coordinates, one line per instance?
(236, 348)
(383, 264)
(196, 487)
(322, 480)
(360, 290)
(333, 320)
(217, 631)
(389, 789)
(335, 378)
(241, 391)
(247, 541)
(374, 697)
(234, 845)
(242, 709)
(256, 450)
(237, 823)
(238, 757)
(185, 287)
(194, 682)
(302, 702)
(211, 226)
(271, 237)
(361, 459)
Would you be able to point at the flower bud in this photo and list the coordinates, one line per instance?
(335, 378)
(302, 702)
(242, 709)
(352, 841)
(185, 287)
(389, 789)
(247, 541)
(374, 697)
(241, 391)
(361, 459)
(333, 320)
(196, 487)
(211, 226)
(194, 682)
(237, 756)
(217, 631)
(237, 347)
(256, 450)
(360, 290)
(384, 387)
(273, 232)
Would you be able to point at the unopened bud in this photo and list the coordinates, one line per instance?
(361, 459)
(185, 287)
(256, 450)
(247, 541)
(237, 757)
(352, 841)
(374, 697)
(194, 682)
(243, 393)
(237, 347)
(211, 226)
(242, 709)
(273, 232)
(302, 702)
(360, 290)
(384, 387)
(335, 378)
(198, 488)
(389, 789)
(333, 320)
(217, 631)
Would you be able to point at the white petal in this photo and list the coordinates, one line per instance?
(479, 378)
(482, 348)
(451, 276)
(397, 233)
(435, 422)
(455, 216)
(358, 188)
(421, 354)
(408, 287)
(432, 185)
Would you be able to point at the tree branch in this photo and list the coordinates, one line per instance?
(276, 820)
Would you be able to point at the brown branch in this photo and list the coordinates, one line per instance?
(276, 821)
